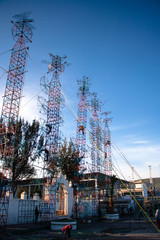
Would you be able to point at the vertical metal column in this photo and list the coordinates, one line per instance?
(22, 33)
(96, 135)
(83, 92)
(107, 146)
(52, 106)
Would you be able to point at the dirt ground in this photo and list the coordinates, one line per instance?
(123, 229)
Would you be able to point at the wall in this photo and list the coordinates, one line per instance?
(68, 190)
(23, 210)
(85, 208)
(12, 210)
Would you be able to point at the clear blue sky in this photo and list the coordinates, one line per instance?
(116, 43)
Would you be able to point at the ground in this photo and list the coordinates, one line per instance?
(124, 229)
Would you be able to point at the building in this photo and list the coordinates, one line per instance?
(55, 198)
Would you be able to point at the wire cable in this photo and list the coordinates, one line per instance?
(6, 52)
(103, 157)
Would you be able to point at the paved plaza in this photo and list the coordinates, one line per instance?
(123, 229)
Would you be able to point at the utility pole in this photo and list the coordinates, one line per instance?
(133, 180)
(150, 175)
(151, 183)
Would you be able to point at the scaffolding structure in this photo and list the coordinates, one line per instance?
(107, 145)
(96, 134)
(4, 202)
(22, 33)
(83, 92)
(44, 199)
(48, 203)
(93, 190)
(52, 106)
(26, 210)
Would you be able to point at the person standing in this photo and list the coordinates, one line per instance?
(36, 214)
(157, 216)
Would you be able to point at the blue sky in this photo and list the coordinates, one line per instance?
(114, 43)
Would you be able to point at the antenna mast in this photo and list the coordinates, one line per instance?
(22, 32)
(52, 106)
(107, 145)
(96, 134)
(150, 174)
(83, 92)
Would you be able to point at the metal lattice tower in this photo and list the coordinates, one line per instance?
(83, 92)
(96, 134)
(22, 33)
(52, 106)
(107, 146)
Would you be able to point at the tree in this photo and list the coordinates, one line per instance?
(23, 143)
(68, 161)
(3, 183)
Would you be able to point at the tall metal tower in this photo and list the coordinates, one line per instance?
(96, 134)
(52, 109)
(22, 33)
(107, 146)
(150, 175)
(54, 103)
(83, 92)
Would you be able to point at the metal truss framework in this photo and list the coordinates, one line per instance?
(22, 33)
(52, 107)
(46, 205)
(4, 201)
(107, 146)
(96, 134)
(93, 189)
(82, 117)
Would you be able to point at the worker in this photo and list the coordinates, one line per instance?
(67, 230)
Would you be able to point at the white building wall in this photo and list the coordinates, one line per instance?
(23, 210)
(12, 210)
(145, 191)
(62, 180)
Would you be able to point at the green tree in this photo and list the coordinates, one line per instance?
(23, 145)
(68, 161)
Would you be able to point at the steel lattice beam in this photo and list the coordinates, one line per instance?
(12, 96)
(22, 32)
(52, 107)
(96, 135)
(107, 146)
(82, 117)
